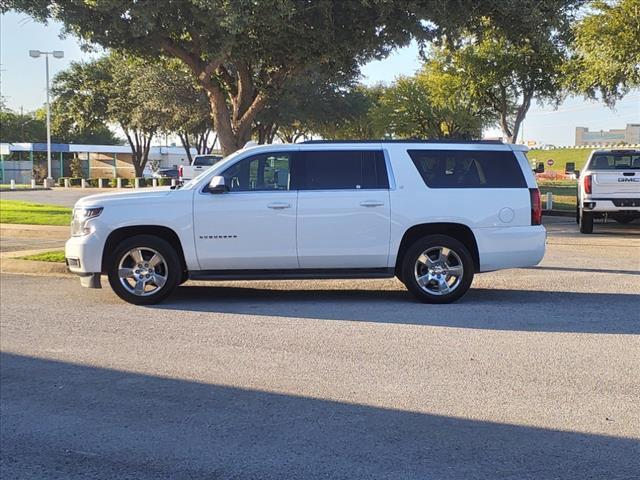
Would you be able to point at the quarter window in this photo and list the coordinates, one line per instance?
(264, 172)
(342, 170)
(468, 169)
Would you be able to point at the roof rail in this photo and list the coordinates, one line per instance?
(412, 140)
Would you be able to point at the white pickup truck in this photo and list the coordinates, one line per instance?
(199, 164)
(609, 186)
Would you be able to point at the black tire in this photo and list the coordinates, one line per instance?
(411, 269)
(586, 222)
(578, 212)
(170, 270)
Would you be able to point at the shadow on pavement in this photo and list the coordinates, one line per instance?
(521, 310)
(65, 421)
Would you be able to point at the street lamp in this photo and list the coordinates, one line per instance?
(56, 54)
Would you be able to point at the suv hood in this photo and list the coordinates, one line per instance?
(102, 199)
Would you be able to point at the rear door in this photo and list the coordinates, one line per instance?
(343, 209)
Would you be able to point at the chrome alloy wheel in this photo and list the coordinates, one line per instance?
(438, 270)
(142, 271)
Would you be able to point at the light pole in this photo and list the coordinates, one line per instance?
(56, 54)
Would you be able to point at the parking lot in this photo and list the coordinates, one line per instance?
(533, 374)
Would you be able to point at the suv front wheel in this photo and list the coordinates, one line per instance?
(437, 269)
(144, 270)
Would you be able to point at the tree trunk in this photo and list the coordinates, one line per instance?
(184, 139)
(140, 143)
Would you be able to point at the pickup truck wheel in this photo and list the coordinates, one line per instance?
(586, 222)
(437, 269)
(144, 270)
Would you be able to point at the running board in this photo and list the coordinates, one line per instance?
(293, 274)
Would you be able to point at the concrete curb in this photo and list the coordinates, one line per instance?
(17, 265)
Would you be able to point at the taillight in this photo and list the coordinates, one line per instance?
(180, 171)
(587, 184)
(536, 206)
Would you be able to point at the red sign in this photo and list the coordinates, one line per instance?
(550, 162)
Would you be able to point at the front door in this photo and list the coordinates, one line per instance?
(344, 213)
(253, 225)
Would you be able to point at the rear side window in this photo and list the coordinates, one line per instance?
(342, 170)
(468, 169)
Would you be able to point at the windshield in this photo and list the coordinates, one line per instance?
(206, 160)
(615, 161)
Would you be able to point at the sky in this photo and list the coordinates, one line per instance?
(23, 82)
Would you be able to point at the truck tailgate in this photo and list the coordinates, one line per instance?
(616, 182)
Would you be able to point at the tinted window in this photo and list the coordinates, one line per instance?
(343, 170)
(468, 169)
(264, 172)
(615, 161)
(206, 160)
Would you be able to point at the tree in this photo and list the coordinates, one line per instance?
(184, 103)
(507, 74)
(16, 127)
(432, 104)
(353, 116)
(606, 51)
(241, 50)
(113, 89)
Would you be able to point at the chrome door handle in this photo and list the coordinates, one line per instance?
(278, 205)
(371, 203)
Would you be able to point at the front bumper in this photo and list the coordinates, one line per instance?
(84, 258)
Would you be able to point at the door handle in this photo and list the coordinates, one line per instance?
(278, 205)
(371, 203)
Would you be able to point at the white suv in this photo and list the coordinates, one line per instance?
(432, 214)
(609, 186)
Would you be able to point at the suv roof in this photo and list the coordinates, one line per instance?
(413, 140)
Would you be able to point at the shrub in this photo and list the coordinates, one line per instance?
(164, 182)
(76, 168)
(92, 182)
(61, 181)
(75, 181)
(106, 182)
(148, 182)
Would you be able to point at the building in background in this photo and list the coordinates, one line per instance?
(629, 135)
(98, 161)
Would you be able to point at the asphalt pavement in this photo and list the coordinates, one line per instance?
(534, 374)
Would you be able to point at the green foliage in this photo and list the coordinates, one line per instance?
(75, 181)
(14, 211)
(164, 182)
(61, 181)
(76, 167)
(435, 103)
(56, 256)
(240, 51)
(606, 61)
(21, 128)
(506, 74)
(355, 116)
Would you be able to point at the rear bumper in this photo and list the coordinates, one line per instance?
(510, 247)
(608, 204)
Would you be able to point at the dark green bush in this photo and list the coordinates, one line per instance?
(148, 182)
(106, 182)
(61, 181)
(92, 182)
(139, 181)
(164, 182)
(75, 181)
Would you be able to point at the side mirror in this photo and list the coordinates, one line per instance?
(539, 168)
(576, 173)
(217, 185)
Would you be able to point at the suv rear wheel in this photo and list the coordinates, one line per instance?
(437, 269)
(586, 221)
(144, 270)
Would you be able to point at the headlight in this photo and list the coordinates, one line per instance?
(81, 217)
